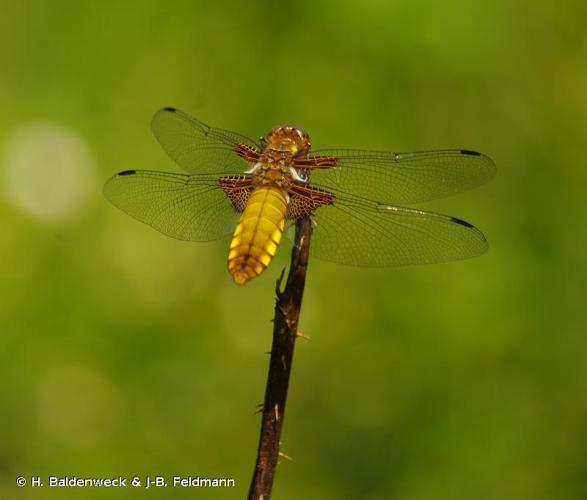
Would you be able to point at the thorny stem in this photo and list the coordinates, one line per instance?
(285, 331)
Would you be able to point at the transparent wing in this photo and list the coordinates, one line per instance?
(400, 177)
(186, 207)
(198, 148)
(363, 233)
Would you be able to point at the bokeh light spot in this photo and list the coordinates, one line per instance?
(48, 170)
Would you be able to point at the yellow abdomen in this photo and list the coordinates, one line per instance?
(257, 234)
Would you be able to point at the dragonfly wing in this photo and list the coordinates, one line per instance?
(363, 233)
(186, 207)
(397, 177)
(199, 148)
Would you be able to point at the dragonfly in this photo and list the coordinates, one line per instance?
(355, 198)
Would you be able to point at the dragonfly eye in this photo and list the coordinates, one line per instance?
(288, 138)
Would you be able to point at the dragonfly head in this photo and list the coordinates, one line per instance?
(288, 138)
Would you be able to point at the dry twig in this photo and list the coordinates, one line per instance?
(285, 332)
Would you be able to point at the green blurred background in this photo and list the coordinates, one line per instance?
(126, 352)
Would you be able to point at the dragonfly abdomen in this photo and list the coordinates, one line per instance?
(257, 234)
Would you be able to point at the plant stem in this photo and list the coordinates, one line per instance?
(285, 332)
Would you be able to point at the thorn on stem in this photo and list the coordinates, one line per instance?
(283, 455)
(278, 283)
(302, 336)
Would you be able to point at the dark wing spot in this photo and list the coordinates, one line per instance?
(469, 152)
(171, 110)
(127, 172)
(461, 222)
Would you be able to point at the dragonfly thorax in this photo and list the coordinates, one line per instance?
(274, 169)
